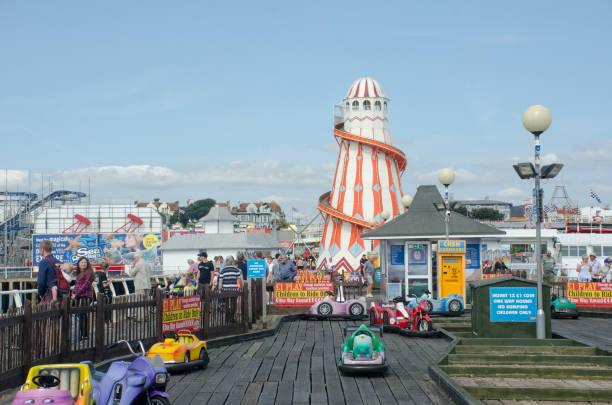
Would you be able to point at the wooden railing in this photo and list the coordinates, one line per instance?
(78, 330)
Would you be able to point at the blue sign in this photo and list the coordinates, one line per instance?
(397, 255)
(378, 275)
(472, 256)
(512, 304)
(256, 268)
(451, 246)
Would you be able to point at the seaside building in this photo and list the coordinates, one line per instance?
(501, 206)
(258, 215)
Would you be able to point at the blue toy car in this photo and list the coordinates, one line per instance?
(451, 305)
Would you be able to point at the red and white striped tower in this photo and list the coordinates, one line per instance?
(367, 183)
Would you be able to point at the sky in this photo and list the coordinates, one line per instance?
(234, 100)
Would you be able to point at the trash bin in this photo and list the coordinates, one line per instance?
(506, 307)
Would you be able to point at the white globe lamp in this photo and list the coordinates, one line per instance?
(446, 176)
(385, 215)
(536, 119)
(406, 200)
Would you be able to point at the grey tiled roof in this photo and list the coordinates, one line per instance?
(217, 213)
(422, 219)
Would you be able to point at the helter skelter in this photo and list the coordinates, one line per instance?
(367, 187)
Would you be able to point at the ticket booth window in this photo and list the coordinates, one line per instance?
(418, 268)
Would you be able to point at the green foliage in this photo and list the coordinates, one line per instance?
(193, 212)
(487, 214)
(281, 223)
(462, 210)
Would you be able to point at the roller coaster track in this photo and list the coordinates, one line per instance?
(341, 135)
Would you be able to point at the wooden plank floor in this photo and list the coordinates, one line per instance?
(298, 365)
(593, 331)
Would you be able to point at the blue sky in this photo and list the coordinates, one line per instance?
(233, 100)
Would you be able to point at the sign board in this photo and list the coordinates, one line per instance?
(590, 294)
(256, 268)
(312, 276)
(513, 304)
(451, 246)
(181, 313)
(300, 294)
(472, 256)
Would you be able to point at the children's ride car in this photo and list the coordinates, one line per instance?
(363, 353)
(58, 384)
(141, 381)
(328, 306)
(451, 305)
(563, 308)
(414, 319)
(180, 350)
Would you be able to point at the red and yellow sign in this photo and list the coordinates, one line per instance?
(181, 313)
(311, 276)
(590, 294)
(487, 276)
(300, 294)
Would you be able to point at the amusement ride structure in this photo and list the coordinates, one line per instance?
(367, 189)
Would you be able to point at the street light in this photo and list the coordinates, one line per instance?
(385, 215)
(406, 200)
(537, 119)
(446, 177)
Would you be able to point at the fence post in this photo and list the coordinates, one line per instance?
(65, 328)
(159, 312)
(27, 336)
(99, 327)
(245, 308)
(249, 312)
(206, 309)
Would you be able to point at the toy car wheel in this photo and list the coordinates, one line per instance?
(372, 318)
(454, 306)
(385, 319)
(356, 309)
(159, 400)
(425, 326)
(325, 309)
(203, 358)
(186, 359)
(428, 306)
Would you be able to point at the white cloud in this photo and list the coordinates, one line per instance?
(511, 192)
(462, 176)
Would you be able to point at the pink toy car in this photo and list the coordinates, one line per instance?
(328, 306)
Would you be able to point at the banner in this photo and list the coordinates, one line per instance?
(181, 313)
(113, 248)
(312, 276)
(487, 276)
(300, 294)
(590, 294)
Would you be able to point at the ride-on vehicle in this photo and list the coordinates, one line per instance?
(141, 381)
(414, 319)
(328, 306)
(57, 384)
(563, 308)
(363, 353)
(451, 305)
(180, 350)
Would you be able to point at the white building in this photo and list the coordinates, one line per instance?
(260, 215)
(218, 220)
(178, 249)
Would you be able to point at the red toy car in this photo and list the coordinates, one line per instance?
(413, 319)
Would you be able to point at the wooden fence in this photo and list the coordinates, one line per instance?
(80, 330)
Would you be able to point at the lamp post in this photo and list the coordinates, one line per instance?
(536, 119)
(446, 177)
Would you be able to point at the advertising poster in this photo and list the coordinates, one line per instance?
(417, 259)
(300, 294)
(396, 263)
(590, 294)
(114, 248)
(512, 304)
(312, 276)
(181, 313)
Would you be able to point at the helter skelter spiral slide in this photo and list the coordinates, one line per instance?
(367, 186)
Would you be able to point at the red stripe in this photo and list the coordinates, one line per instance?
(374, 85)
(366, 94)
(357, 90)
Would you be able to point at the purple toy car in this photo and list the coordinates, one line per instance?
(327, 307)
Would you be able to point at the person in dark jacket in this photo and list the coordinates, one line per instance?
(287, 270)
(46, 284)
(242, 265)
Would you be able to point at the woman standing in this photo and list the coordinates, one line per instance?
(104, 289)
(584, 270)
(83, 292)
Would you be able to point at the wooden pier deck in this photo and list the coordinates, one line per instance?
(298, 365)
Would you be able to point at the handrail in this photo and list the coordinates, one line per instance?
(327, 208)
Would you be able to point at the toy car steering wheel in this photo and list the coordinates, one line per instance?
(169, 335)
(399, 299)
(46, 381)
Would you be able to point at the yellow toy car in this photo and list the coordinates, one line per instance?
(61, 384)
(180, 350)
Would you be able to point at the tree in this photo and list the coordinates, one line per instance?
(487, 214)
(462, 210)
(193, 212)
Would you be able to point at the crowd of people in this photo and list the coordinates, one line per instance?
(591, 270)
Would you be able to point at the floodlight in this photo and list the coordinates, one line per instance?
(525, 170)
(550, 171)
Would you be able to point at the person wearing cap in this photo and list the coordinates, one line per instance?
(584, 270)
(205, 268)
(607, 270)
(595, 265)
(548, 267)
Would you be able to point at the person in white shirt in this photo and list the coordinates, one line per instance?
(584, 270)
(596, 267)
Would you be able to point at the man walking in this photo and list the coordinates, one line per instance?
(548, 268)
(286, 269)
(230, 277)
(369, 275)
(206, 269)
(142, 275)
(46, 282)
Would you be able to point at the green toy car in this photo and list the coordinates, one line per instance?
(562, 308)
(363, 353)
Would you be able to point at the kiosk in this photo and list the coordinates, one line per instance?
(451, 268)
